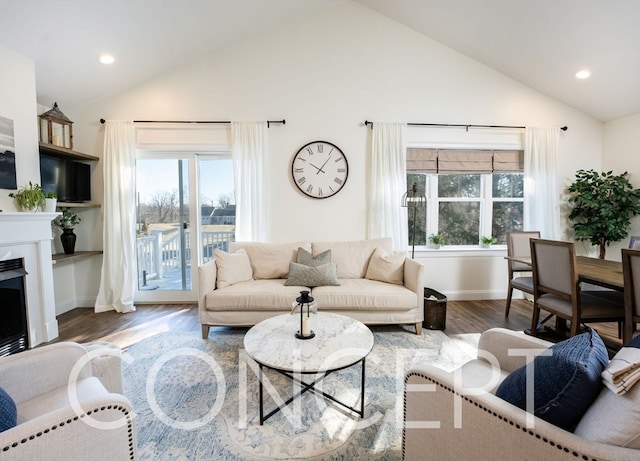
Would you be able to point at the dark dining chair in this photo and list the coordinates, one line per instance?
(518, 247)
(631, 271)
(557, 289)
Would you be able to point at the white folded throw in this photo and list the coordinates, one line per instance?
(623, 370)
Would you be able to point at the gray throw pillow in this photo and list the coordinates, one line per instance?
(306, 258)
(310, 276)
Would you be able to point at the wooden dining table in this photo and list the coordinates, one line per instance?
(602, 272)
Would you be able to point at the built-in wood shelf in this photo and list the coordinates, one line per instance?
(65, 153)
(78, 205)
(59, 258)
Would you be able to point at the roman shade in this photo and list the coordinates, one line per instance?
(464, 160)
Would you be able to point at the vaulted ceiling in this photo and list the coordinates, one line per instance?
(540, 43)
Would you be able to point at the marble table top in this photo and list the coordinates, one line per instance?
(339, 342)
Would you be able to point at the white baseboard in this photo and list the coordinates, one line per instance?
(71, 304)
(479, 295)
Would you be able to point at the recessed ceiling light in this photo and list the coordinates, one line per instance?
(582, 74)
(106, 59)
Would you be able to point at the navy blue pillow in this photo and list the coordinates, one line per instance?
(565, 383)
(635, 342)
(8, 412)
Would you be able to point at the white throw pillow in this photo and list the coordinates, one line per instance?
(386, 267)
(232, 268)
(270, 260)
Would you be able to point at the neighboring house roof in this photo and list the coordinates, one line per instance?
(228, 211)
(207, 210)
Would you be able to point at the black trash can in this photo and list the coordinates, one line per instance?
(435, 310)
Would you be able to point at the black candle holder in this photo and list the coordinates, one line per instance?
(308, 308)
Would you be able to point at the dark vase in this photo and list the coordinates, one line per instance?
(68, 239)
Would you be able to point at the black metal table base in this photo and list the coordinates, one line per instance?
(309, 387)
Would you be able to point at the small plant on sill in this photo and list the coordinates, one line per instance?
(486, 242)
(436, 240)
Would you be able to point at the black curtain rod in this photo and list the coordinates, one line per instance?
(366, 122)
(269, 122)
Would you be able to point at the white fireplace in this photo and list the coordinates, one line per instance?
(28, 236)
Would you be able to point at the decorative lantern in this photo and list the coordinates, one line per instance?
(56, 128)
(308, 310)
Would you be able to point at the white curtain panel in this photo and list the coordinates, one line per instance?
(118, 279)
(249, 148)
(388, 182)
(541, 198)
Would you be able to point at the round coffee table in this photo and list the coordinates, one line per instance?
(339, 342)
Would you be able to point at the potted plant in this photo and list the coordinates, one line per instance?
(67, 221)
(602, 206)
(50, 201)
(486, 242)
(29, 198)
(436, 240)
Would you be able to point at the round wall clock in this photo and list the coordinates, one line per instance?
(319, 169)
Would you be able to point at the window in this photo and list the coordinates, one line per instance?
(470, 194)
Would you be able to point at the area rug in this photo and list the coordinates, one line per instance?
(198, 399)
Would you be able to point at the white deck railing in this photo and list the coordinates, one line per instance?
(155, 257)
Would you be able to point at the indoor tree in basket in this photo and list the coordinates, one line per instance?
(602, 207)
(30, 197)
(67, 222)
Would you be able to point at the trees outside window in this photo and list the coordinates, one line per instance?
(465, 207)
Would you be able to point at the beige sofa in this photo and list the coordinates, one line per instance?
(51, 425)
(436, 401)
(392, 294)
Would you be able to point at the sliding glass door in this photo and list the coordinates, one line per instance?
(185, 210)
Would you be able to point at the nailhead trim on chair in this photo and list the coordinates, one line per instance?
(493, 413)
(76, 418)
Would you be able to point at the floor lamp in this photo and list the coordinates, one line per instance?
(413, 199)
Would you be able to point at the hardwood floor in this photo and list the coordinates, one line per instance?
(83, 325)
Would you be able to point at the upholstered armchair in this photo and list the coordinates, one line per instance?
(457, 416)
(69, 405)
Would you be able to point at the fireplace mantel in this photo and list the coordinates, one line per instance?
(28, 236)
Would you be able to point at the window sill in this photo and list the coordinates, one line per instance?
(472, 251)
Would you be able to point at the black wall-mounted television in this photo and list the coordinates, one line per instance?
(69, 179)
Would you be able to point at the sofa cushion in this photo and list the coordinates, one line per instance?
(255, 295)
(352, 258)
(8, 412)
(312, 276)
(566, 380)
(232, 268)
(305, 257)
(364, 295)
(386, 267)
(613, 418)
(270, 260)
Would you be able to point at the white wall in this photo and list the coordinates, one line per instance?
(620, 153)
(363, 66)
(18, 103)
